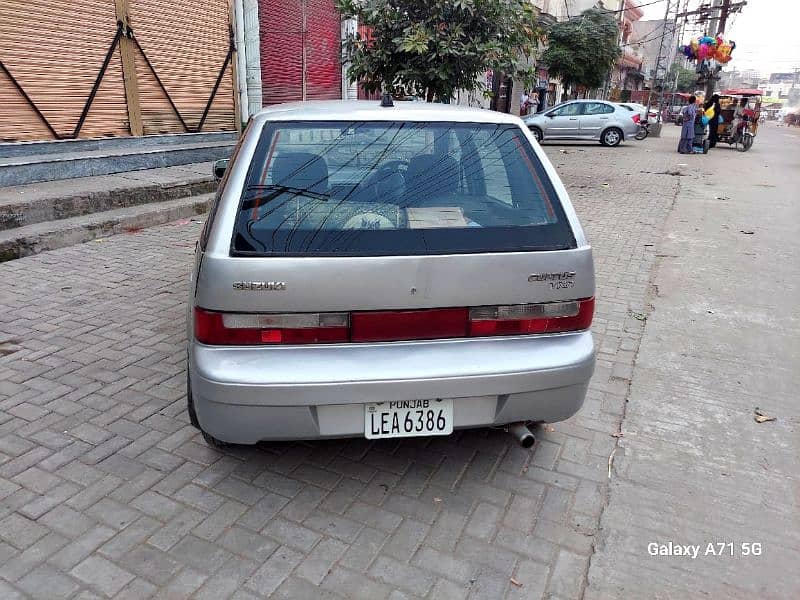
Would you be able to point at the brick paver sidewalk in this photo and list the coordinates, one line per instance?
(108, 492)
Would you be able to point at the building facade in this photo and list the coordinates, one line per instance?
(628, 74)
(780, 85)
(657, 56)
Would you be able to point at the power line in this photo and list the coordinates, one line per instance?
(654, 35)
(612, 12)
(622, 10)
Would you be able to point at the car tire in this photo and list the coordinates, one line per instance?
(537, 133)
(210, 439)
(611, 137)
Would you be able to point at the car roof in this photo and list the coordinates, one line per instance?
(371, 110)
(586, 100)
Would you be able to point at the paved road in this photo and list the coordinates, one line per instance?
(106, 491)
(723, 337)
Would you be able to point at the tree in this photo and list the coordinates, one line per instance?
(583, 50)
(686, 78)
(434, 48)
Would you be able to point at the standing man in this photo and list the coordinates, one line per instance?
(524, 103)
(688, 114)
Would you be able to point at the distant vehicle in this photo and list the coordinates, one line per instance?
(741, 113)
(606, 122)
(673, 114)
(641, 109)
(387, 271)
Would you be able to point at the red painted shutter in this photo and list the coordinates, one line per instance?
(323, 51)
(281, 24)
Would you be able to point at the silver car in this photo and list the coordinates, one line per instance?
(599, 120)
(387, 271)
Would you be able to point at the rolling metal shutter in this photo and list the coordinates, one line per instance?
(323, 43)
(61, 71)
(300, 50)
(186, 42)
(52, 51)
(281, 50)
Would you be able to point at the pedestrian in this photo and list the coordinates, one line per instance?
(688, 114)
(713, 124)
(524, 103)
(534, 102)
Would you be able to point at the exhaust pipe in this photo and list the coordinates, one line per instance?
(522, 434)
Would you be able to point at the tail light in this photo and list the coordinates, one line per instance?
(554, 317)
(247, 329)
(409, 325)
(636, 118)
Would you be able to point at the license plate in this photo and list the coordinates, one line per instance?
(408, 418)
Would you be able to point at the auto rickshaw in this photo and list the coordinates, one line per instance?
(741, 110)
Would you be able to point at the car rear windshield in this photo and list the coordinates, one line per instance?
(396, 188)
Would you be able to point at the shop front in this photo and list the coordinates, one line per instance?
(300, 50)
(104, 68)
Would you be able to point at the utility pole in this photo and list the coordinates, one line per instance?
(680, 33)
(657, 129)
(723, 8)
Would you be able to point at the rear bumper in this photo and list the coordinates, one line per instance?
(629, 131)
(245, 395)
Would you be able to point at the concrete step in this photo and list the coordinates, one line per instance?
(10, 149)
(19, 170)
(40, 237)
(52, 200)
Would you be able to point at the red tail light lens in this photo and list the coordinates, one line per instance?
(248, 329)
(409, 325)
(636, 118)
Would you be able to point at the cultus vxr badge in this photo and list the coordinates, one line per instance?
(563, 276)
(260, 286)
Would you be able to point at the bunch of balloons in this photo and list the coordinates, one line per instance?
(709, 48)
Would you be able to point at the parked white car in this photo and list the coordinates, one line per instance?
(641, 109)
(606, 122)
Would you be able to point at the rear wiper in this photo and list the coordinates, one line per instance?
(275, 190)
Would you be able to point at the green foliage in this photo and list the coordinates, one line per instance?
(433, 48)
(584, 49)
(687, 78)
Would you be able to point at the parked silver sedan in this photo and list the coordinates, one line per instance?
(387, 271)
(606, 122)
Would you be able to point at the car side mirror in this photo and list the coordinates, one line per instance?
(549, 115)
(220, 166)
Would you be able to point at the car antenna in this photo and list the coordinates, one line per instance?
(386, 100)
